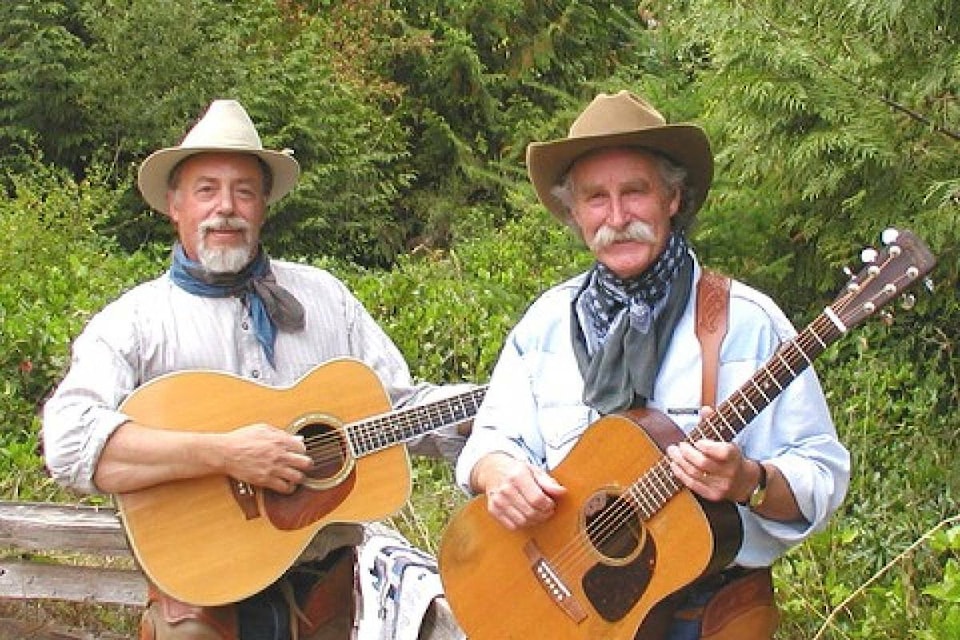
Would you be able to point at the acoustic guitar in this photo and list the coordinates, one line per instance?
(628, 534)
(213, 540)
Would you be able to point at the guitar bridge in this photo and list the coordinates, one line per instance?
(553, 584)
(246, 498)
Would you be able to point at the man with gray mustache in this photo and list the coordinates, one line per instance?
(624, 337)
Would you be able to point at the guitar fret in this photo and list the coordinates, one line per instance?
(718, 435)
(803, 353)
(380, 432)
(823, 344)
(772, 378)
(721, 415)
(756, 385)
(779, 356)
(733, 407)
(753, 409)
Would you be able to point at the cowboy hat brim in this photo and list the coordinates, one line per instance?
(685, 144)
(154, 172)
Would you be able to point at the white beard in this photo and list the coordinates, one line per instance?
(224, 260)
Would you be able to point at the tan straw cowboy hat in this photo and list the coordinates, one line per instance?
(621, 119)
(225, 127)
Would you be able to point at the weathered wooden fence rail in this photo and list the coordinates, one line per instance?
(27, 529)
(80, 554)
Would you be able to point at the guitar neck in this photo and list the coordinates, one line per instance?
(744, 404)
(386, 430)
(654, 488)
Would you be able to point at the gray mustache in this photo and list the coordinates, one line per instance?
(636, 231)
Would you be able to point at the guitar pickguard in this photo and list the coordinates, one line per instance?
(328, 483)
(628, 556)
(614, 590)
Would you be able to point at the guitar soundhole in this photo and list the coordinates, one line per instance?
(327, 446)
(328, 450)
(613, 526)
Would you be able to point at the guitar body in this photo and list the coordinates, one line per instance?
(613, 584)
(207, 542)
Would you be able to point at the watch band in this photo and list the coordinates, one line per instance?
(759, 493)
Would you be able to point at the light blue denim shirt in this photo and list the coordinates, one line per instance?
(533, 408)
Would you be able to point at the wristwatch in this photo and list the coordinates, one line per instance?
(759, 493)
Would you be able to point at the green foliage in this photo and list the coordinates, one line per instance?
(39, 57)
(865, 572)
(829, 121)
(835, 126)
(56, 271)
(449, 312)
(152, 68)
(946, 592)
(488, 78)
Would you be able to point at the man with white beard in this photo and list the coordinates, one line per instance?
(224, 306)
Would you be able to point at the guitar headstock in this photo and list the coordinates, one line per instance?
(887, 273)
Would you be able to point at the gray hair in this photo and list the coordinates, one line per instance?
(674, 177)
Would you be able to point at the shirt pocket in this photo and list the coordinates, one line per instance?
(562, 426)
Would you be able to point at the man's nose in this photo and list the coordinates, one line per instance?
(617, 217)
(226, 202)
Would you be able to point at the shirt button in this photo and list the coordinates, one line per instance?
(255, 373)
(244, 326)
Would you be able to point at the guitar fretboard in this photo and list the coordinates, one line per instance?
(654, 488)
(885, 275)
(386, 430)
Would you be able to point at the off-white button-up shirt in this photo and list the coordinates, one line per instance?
(157, 328)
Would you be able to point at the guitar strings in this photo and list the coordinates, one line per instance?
(650, 493)
(378, 432)
(812, 340)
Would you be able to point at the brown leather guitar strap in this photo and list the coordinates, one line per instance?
(713, 296)
(745, 607)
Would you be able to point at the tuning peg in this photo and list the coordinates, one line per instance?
(889, 236)
(869, 255)
(847, 271)
(908, 301)
(886, 317)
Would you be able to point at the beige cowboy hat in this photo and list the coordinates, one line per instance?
(225, 127)
(615, 120)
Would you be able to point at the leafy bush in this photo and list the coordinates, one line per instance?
(869, 571)
(57, 271)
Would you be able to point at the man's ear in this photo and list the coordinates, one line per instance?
(172, 212)
(675, 203)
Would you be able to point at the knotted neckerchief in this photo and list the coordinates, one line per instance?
(271, 306)
(621, 328)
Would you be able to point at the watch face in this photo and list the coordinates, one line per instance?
(760, 491)
(757, 497)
